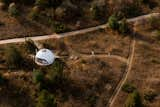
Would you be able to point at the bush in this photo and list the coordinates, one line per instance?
(30, 46)
(12, 9)
(59, 27)
(13, 57)
(37, 76)
(34, 13)
(133, 100)
(5, 1)
(113, 22)
(129, 88)
(158, 35)
(42, 3)
(92, 100)
(96, 12)
(55, 72)
(150, 95)
(55, 3)
(1, 79)
(131, 9)
(123, 27)
(45, 99)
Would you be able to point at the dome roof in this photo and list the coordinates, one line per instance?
(44, 57)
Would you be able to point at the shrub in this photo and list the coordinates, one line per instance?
(154, 22)
(158, 35)
(42, 3)
(113, 22)
(59, 27)
(13, 57)
(123, 27)
(5, 1)
(45, 99)
(34, 13)
(129, 88)
(55, 3)
(92, 100)
(55, 72)
(131, 9)
(133, 100)
(37, 76)
(12, 9)
(1, 79)
(150, 95)
(30, 46)
(96, 13)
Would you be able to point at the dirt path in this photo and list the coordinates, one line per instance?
(125, 76)
(82, 31)
(106, 56)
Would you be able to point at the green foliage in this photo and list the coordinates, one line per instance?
(131, 9)
(1, 79)
(129, 88)
(113, 22)
(45, 99)
(134, 100)
(158, 35)
(34, 13)
(5, 1)
(30, 46)
(150, 95)
(59, 27)
(55, 3)
(55, 72)
(37, 76)
(13, 57)
(123, 27)
(42, 3)
(12, 9)
(92, 100)
(96, 12)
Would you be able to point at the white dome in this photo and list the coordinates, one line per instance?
(44, 57)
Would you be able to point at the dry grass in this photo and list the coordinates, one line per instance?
(145, 73)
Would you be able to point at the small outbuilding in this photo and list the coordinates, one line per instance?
(44, 57)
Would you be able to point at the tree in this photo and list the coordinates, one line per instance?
(42, 3)
(113, 22)
(12, 9)
(5, 1)
(34, 13)
(13, 57)
(55, 3)
(131, 9)
(96, 13)
(37, 76)
(150, 95)
(45, 99)
(30, 46)
(1, 79)
(59, 27)
(55, 72)
(123, 27)
(134, 100)
(129, 88)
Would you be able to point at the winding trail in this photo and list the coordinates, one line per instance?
(106, 56)
(124, 77)
(82, 31)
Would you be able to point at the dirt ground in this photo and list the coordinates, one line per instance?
(145, 73)
(92, 77)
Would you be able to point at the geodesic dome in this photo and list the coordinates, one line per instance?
(44, 57)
